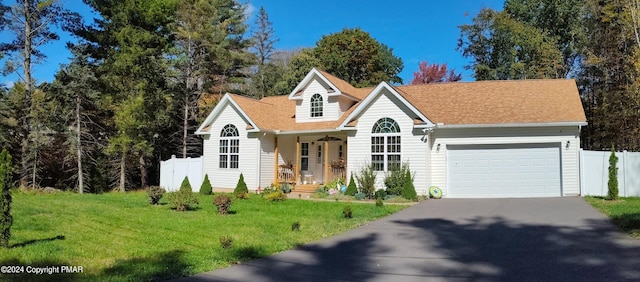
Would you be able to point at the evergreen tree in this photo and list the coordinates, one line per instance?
(206, 189)
(6, 219)
(31, 23)
(351, 188)
(241, 187)
(264, 40)
(408, 190)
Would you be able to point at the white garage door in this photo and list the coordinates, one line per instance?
(504, 171)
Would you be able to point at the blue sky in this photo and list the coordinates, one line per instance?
(416, 30)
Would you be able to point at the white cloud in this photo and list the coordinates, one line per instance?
(248, 12)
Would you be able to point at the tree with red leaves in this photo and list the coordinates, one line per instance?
(434, 73)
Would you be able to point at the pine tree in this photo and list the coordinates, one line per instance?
(241, 187)
(408, 190)
(351, 189)
(6, 220)
(206, 189)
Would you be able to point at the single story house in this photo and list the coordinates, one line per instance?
(517, 138)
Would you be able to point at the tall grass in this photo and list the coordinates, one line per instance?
(118, 236)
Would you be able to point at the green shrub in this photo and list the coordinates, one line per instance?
(394, 180)
(408, 190)
(222, 203)
(613, 176)
(155, 193)
(286, 188)
(241, 187)
(184, 199)
(275, 196)
(351, 189)
(347, 212)
(295, 226)
(226, 242)
(359, 196)
(380, 194)
(242, 196)
(379, 202)
(6, 219)
(367, 180)
(206, 188)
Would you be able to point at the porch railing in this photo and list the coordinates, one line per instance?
(286, 174)
(338, 172)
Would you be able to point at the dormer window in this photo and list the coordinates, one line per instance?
(316, 105)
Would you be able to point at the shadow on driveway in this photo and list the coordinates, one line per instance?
(558, 239)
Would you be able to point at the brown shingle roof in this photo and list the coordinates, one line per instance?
(484, 102)
(498, 102)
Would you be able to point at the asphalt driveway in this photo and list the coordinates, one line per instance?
(550, 239)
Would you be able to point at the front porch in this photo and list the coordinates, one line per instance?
(309, 159)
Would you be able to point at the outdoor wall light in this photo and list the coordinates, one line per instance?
(568, 144)
(438, 148)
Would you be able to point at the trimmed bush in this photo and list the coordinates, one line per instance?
(206, 188)
(347, 212)
(286, 188)
(360, 196)
(6, 219)
(241, 187)
(612, 192)
(367, 180)
(184, 199)
(242, 196)
(155, 193)
(222, 203)
(408, 190)
(351, 189)
(275, 196)
(379, 202)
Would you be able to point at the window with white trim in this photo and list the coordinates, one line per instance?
(316, 105)
(304, 156)
(385, 145)
(229, 147)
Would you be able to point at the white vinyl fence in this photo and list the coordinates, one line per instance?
(594, 173)
(173, 171)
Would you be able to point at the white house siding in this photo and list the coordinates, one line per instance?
(227, 177)
(266, 160)
(569, 156)
(331, 108)
(413, 148)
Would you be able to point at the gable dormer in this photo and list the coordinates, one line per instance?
(319, 99)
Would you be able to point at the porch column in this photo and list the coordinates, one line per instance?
(326, 160)
(275, 161)
(297, 165)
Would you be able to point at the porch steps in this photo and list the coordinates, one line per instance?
(306, 188)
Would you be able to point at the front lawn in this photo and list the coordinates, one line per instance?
(117, 236)
(625, 213)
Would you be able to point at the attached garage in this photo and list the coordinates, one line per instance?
(504, 171)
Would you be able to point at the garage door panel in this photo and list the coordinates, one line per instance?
(516, 170)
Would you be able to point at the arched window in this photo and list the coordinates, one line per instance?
(385, 145)
(229, 147)
(316, 105)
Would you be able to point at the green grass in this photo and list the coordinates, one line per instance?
(117, 236)
(625, 212)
